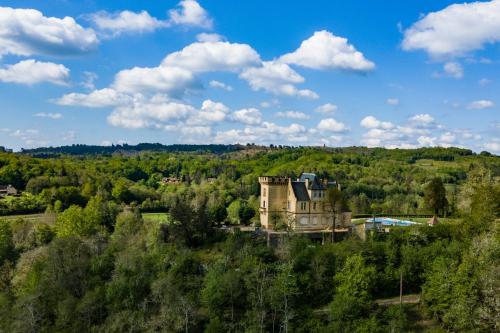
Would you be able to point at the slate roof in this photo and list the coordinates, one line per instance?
(300, 191)
(314, 183)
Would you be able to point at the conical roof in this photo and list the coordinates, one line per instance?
(433, 221)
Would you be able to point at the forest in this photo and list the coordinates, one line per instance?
(97, 241)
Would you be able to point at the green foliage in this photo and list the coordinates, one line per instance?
(101, 267)
(435, 196)
(6, 243)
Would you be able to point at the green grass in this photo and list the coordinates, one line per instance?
(156, 217)
(30, 217)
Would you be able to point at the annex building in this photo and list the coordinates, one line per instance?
(302, 204)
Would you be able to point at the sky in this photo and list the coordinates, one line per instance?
(395, 74)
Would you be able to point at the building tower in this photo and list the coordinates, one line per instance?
(273, 199)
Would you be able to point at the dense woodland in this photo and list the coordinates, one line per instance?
(91, 262)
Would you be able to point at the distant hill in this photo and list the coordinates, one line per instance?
(80, 149)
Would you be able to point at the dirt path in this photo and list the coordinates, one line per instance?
(407, 299)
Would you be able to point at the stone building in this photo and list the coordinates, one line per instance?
(301, 204)
(6, 190)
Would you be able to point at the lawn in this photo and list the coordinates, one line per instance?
(156, 217)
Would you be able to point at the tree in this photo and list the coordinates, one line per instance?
(246, 213)
(435, 196)
(6, 243)
(353, 297)
(336, 204)
(73, 222)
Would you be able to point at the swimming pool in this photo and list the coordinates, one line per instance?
(391, 222)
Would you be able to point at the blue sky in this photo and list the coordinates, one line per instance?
(398, 74)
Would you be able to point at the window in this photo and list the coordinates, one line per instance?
(315, 220)
(264, 203)
(314, 206)
(264, 192)
(303, 205)
(288, 205)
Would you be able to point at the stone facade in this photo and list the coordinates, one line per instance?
(301, 204)
(6, 190)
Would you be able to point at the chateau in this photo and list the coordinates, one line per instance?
(302, 204)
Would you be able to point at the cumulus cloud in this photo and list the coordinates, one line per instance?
(265, 133)
(323, 50)
(454, 70)
(167, 79)
(332, 125)
(126, 22)
(372, 122)
(192, 14)
(277, 78)
(213, 56)
(480, 104)
(96, 99)
(156, 113)
(220, 85)
(422, 120)
(455, 30)
(493, 146)
(210, 112)
(326, 108)
(54, 116)
(32, 72)
(420, 130)
(209, 37)
(292, 115)
(251, 116)
(27, 32)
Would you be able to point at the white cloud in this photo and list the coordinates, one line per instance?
(292, 115)
(209, 37)
(251, 116)
(265, 133)
(213, 56)
(332, 125)
(276, 78)
(88, 80)
(492, 146)
(157, 113)
(326, 108)
(454, 70)
(426, 141)
(126, 22)
(480, 104)
(48, 115)
(192, 14)
(31, 72)
(323, 50)
(220, 85)
(372, 122)
(210, 112)
(173, 80)
(422, 120)
(27, 32)
(455, 30)
(96, 99)
(447, 138)
(392, 101)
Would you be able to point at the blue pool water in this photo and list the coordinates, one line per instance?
(391, 222)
